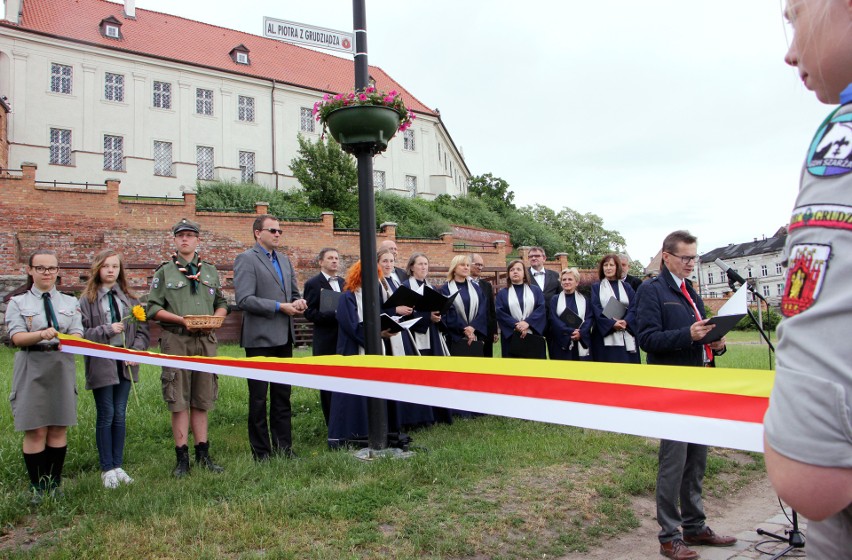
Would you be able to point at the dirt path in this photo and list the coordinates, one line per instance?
(742, 512)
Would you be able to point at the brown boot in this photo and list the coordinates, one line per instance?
(677, 550)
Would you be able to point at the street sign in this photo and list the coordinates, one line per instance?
(291, 32)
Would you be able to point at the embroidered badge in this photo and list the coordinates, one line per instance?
(832, 216)
(212, 291)
(805, 274)
(830, 153)
(155, 283)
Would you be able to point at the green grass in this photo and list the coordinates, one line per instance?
(491, 487)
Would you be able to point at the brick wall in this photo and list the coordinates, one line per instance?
(78, 222)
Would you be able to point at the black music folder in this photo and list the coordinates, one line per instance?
(329, 299)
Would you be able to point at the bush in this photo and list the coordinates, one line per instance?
(771, 318)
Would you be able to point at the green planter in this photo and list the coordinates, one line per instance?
(360, 128)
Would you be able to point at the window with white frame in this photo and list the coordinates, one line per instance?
(712, 294)
(306, 119)
(162, 95)
(114, 87)
(778, 269)
(749, 268)
(709, 277)
(112, 31)
(245, 108)
(204, 101)
(60, 146)
(408, 140)
(766, 290)
(204, 162)
(411, 185)
(764, 270)
(163, 159)
(242, 58)
(780, 289)
(247, 167)
(379, 180)
(113, 153)
(60, 78)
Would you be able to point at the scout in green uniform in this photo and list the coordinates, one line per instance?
(186, 285)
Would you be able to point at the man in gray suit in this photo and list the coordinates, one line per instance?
(266, 292)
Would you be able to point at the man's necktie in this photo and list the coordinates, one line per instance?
(115, 316)
(707, 351)
(48, 312)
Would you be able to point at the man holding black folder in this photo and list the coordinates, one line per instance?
(670, 322)
(324, 320)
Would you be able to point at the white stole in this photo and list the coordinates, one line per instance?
(515, 307)
(421, 340)
(458, 303)
(359, 303)
(580, 301)
(616, 338)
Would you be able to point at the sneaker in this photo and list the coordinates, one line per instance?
(110, 479)
(122, 476)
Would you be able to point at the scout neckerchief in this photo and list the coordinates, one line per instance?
(190, 271)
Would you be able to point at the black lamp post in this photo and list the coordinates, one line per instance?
(377, 408)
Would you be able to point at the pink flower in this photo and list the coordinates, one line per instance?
(370, 89)
(362, 96)
(326, 97)
(338, 97)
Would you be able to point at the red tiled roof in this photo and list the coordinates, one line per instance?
(196, 43)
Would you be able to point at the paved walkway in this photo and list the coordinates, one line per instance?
(751, 546)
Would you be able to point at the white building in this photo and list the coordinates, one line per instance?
(102, 90)
(760, 262)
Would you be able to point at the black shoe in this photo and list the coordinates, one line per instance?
(182, 466)
(202, 458)
(287, 453)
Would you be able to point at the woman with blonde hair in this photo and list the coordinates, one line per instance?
(568, 341)
(106, 302)
(466, 320)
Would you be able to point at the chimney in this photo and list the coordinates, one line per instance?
(130, 9)
(13, 11)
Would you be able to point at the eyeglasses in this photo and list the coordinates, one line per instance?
(536, 256)
(47, 269)
(478, 265)
(685, 259)
(272, 230)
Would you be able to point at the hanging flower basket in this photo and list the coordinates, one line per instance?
(363, 127)
(363, 121)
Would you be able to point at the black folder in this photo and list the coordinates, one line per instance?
(614, 309)
(724, 323)
(531, 346)
(461, 348)
(571, 319)
(329, 299)
(403, 296)
(434, 300)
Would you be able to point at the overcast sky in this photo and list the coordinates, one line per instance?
(655, 115)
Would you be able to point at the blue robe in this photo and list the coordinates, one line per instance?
(559, 334)
(455, 323)
(537, 320)
(603, 326)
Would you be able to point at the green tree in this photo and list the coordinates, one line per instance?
(494, 190)
(328, 175)
(583, 236)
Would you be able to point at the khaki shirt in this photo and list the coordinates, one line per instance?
(171, 291)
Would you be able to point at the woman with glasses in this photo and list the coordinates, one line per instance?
(568, 340)
(520, 309)
(44, 392)
(612, 339)
(106, 301)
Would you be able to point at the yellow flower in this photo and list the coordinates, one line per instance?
(138, 313)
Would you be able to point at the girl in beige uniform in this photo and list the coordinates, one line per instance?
(44, 392)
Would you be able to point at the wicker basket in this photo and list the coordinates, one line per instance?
(203, 322)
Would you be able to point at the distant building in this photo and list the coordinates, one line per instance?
(760, 262)
(103, 90)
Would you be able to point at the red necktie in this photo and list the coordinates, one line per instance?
(707, 351)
